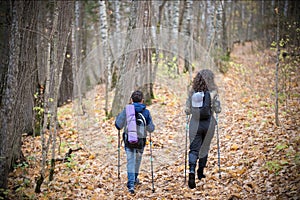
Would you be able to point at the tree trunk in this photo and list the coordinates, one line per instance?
(9, 98)
(60, 42)
(131, 70)
(106, 53)
(61, 29)
(47, 102)
(277, 68)
(76, 57)
(19, 82)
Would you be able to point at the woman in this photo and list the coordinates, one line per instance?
(201, 103)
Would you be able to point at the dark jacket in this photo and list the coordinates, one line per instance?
(204, 128)
(215, 103)
(139, 108)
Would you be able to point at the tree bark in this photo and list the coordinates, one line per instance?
(135, 68)
(10, 92)
(61, 29)
(104, 33)
(277, 68)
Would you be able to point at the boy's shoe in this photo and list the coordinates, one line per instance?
(191, 182)
(131, 190)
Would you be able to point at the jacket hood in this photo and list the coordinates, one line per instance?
(139, 107)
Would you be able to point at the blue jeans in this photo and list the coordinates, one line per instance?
(134, 158)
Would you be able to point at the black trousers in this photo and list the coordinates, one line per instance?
(200, 135)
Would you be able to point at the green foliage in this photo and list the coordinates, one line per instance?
(108, 116)
(4, 193)
(168, 65)
(39, 113)
(224, 67)
(91, 7)
(274, 166)
(148, 101)
(289, 59)
(63, 146)
(281, 146)
(225, 57)
(71, 163)
(251, 114)
(222, 60)
(22, 165)
(297, 158)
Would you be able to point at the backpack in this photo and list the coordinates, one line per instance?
(216, 105)
(201, 105)
(135, 137)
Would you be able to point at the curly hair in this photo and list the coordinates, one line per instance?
(204, 81)
(137, 96)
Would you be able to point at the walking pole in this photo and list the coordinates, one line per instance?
(218, 143)
(119, 146)
(151, 162)
(185, 155)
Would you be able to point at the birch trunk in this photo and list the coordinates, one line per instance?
(106, 54)
(76, 59)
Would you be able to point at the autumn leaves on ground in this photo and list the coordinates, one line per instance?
(259, 160)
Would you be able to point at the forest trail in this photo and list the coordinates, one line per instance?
(258, 159)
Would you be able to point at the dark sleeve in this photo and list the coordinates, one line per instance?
(150, 126)
(216, 106)
(120, 120)
(188, 104)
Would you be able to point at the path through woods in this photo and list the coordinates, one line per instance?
(258, 159)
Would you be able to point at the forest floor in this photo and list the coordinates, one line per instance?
(259, 160)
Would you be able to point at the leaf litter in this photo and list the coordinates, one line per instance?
(258, 159)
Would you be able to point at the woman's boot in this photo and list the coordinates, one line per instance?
(191, 181)
(200, 173)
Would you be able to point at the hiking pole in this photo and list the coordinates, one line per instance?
(185, 155)
(151, 162)
(218, 143)
(119, 146)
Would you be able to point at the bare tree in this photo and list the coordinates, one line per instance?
(61, 29)
(18, 83)
(104, 33)
(277, 68)
(135, 70)
(10, 92)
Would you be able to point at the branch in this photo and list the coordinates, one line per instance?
(68, 155)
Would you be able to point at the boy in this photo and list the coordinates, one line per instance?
(134, 155)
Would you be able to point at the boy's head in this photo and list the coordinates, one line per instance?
(137, 96)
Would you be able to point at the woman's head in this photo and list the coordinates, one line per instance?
(204, 81)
